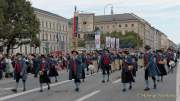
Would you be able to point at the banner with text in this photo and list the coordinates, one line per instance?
(97, 41)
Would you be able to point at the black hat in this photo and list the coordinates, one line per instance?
(74, 51)
(18, 54)
(147, 47)
(126, 51)
(106, 50)
(160, 50)
(43, 56)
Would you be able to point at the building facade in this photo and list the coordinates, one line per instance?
(127, 22)
(53, 34)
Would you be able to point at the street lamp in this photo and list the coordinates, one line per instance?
(107, 6)
(105, 9)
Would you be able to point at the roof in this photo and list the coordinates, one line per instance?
(48, 13)
(115, 17)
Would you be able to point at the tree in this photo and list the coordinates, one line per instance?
(130, 39)
(19, 24)
(81, 43)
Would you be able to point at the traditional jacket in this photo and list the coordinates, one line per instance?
(127, 61)
(159, 58)
(102, 60)
(21, 68)
(36, 64)
(170, 56)
(75, 67)
(127, 75)
(44, 66)
(150, 64)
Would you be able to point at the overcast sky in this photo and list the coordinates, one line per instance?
(162, 14)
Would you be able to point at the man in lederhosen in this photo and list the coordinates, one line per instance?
(20, 71)
(151, 69)
(105, 62)
(84, 65)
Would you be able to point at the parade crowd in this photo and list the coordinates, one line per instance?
(156, 64)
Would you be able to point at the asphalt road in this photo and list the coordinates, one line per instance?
(91, 90)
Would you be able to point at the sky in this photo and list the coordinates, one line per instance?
(161, 14)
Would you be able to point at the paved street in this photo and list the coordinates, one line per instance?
(91, 90)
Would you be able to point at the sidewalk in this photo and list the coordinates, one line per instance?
(178, 83)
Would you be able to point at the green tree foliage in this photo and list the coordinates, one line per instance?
(130, 39)
(81, 43)
(19, 25)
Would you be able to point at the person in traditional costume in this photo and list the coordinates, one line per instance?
(75, 69)
(150, 68)
(20, 71)
(127, 71)
(105, 62)
(161, 64)
(53, 72)
(43, 73)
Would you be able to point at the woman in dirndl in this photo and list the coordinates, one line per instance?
(161, 65)
(52, 70)
(127, 67)
(43, 73)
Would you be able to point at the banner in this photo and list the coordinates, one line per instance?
(113, 40)
(117, 43)
(97, 41)
(108, 42)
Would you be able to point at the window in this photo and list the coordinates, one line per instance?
(66, 28)
(126, 25)
(54, 25)
(78, 35)
(46, 24)
(107, 27)
(46, 37)
(43, 37)
(60, 37)
(101, 27)
(50, 25)
(42, 24)
(132, 25)
(54, 37)
(119, 25)
(63, 27)
(57, 26)
(60, 27)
